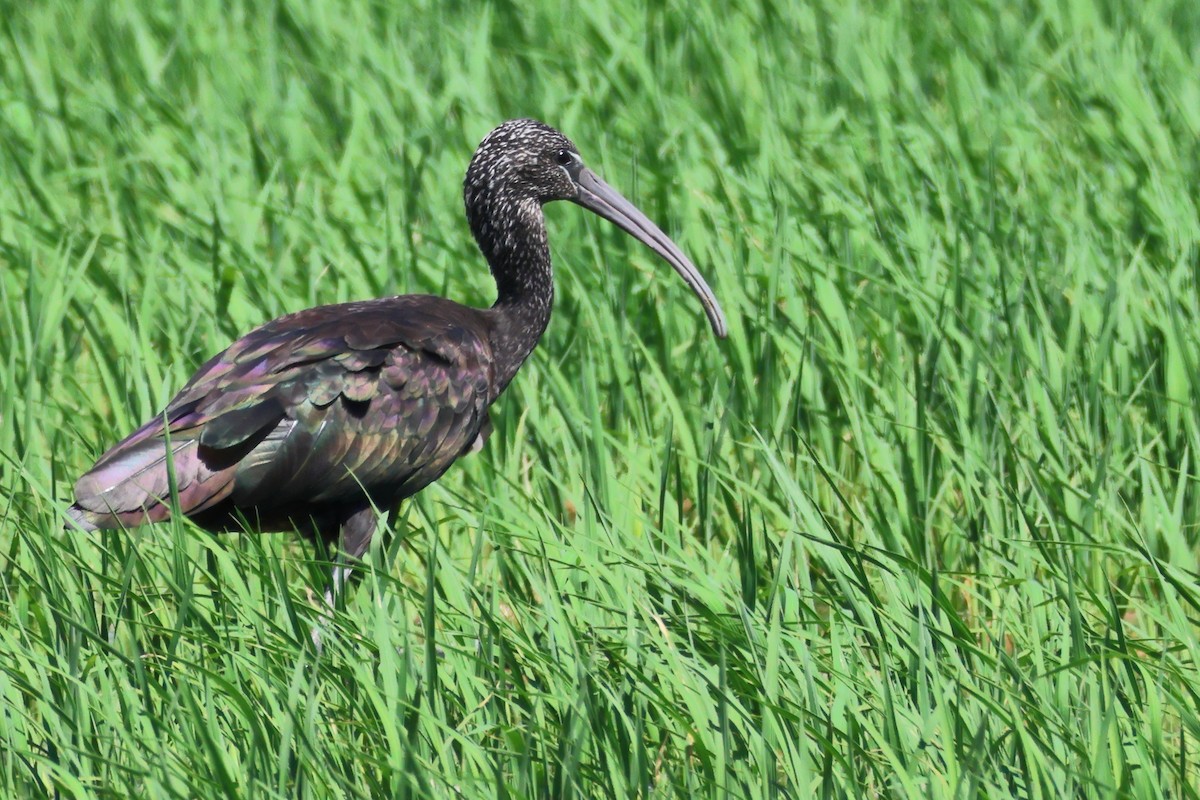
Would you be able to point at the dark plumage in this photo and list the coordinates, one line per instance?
(309, 420)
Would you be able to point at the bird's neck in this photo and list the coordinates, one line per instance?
(519, 257)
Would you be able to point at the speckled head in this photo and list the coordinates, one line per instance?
(517, 168)
(523, 159)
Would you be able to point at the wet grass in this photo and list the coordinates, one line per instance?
(924, 526)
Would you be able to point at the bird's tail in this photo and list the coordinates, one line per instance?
(131, 484)
(81, 520)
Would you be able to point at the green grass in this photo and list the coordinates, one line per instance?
(924, 526)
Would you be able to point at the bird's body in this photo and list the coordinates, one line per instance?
(315, 419)
(307, 420)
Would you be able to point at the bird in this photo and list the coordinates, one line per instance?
(314, 420)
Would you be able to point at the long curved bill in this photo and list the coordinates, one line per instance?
(598, 197)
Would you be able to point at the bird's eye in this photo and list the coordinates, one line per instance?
(563, 158)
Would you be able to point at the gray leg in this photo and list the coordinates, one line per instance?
(357, 531)
(355, 536)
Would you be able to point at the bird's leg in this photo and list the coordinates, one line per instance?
(356, 533)
(354, 536)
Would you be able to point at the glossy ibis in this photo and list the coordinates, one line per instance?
(313, 419)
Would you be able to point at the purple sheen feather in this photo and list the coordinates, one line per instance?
(395, 375)
(360, 386)
(241, 425)
(258, 372)
(358, 360)
(135, 485)
(308, 352)
(204, 494)
(414, 393)
(323, 393)
(426, 420)
(246, 350)
(252, 471)
(133, 477)
(238, 395)
(143, 433)
(376, 333)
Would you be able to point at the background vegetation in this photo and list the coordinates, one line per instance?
(924, 526)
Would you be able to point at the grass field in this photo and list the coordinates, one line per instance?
(924, 526)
